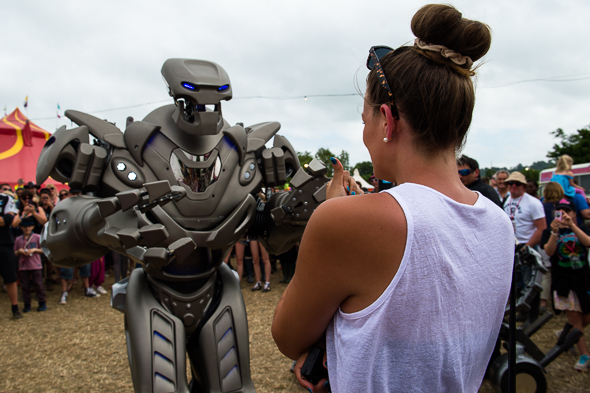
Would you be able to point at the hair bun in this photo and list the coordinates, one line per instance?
(441, 24)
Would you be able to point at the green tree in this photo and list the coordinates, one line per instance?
(531, 174)
(489, 172)
(576, 145)
(344, 160)
(304, 157)
(365, 169)
(324, 155)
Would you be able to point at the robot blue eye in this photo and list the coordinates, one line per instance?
(121, 167)
(132, 176)
(222, 88)
(187, 85)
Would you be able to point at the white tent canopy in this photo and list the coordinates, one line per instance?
(357, 177)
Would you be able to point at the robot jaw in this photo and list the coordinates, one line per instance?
(198, 87)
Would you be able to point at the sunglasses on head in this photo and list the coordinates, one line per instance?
(376, 53)
(465, 172)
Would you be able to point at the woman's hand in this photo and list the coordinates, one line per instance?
(342, 184)
(29, 210)
(323, 386)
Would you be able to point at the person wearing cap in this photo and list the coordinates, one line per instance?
(27, 247)
(567, 244)
(525, 212)
(375, 183)
(469, 174)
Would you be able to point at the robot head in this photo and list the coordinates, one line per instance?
(194, 85)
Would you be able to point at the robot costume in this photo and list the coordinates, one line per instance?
(174, 193)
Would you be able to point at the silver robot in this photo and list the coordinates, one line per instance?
(174, 192)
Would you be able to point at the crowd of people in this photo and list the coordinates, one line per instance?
(25, 209)
(553, 224)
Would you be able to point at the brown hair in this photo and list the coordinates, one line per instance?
(434, 95)
(553, 192)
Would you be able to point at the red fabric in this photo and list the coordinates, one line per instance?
(27, 134)
(21, 142)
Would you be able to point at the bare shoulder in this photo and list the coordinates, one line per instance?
(357, 216)
(356, 240)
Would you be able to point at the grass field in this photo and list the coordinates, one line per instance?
(80, 347)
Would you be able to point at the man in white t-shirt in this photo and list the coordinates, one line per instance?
(525, 212)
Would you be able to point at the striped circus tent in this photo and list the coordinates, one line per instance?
(21, 142)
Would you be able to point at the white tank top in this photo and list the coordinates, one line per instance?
(434, 328)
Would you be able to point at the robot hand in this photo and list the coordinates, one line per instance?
(286, 214)
(92, 226)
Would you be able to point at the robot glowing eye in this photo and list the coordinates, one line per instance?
(222, 88)
(132, 176)
(121, 167)
(187, 85)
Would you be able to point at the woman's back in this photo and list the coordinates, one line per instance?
(441, 310)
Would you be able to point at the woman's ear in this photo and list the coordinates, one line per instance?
(390, 126)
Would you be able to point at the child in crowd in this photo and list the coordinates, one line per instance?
(27, 249)
(564, 175)
(567, 246)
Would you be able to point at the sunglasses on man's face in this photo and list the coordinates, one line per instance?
(465, 172)
(513, 183)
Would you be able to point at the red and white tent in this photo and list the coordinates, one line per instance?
(21, 142)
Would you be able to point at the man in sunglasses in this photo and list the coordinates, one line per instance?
(525, 211)
(469, 173)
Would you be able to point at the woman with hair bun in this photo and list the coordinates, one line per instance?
(423, 311)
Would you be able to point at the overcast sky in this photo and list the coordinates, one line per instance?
(105, 57)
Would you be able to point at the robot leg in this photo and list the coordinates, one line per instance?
(219, 351)
(155, 341)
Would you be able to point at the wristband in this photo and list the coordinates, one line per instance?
(555, 234)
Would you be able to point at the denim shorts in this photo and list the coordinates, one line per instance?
(67, 273)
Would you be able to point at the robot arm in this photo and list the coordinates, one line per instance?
(83, 228)
(68, 156)
(282, 222)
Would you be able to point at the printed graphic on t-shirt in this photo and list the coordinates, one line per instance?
(571, 253)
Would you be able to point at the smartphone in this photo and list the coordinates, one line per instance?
(558, 215)
(313, 370)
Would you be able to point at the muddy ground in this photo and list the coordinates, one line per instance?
(80, 347)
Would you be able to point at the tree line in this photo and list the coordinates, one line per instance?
(576, 145)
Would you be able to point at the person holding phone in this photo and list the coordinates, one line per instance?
(567, 244)
(415, 315)
(29, 209)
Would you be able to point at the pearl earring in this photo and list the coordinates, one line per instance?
(385, 140)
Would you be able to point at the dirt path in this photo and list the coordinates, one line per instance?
(80, 347)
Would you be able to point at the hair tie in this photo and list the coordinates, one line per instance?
(445, 52)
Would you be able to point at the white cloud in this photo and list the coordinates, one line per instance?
(92, 56)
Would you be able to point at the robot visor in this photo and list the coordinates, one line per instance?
(196, 172)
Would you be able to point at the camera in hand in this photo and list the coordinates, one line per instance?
(313, 370)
